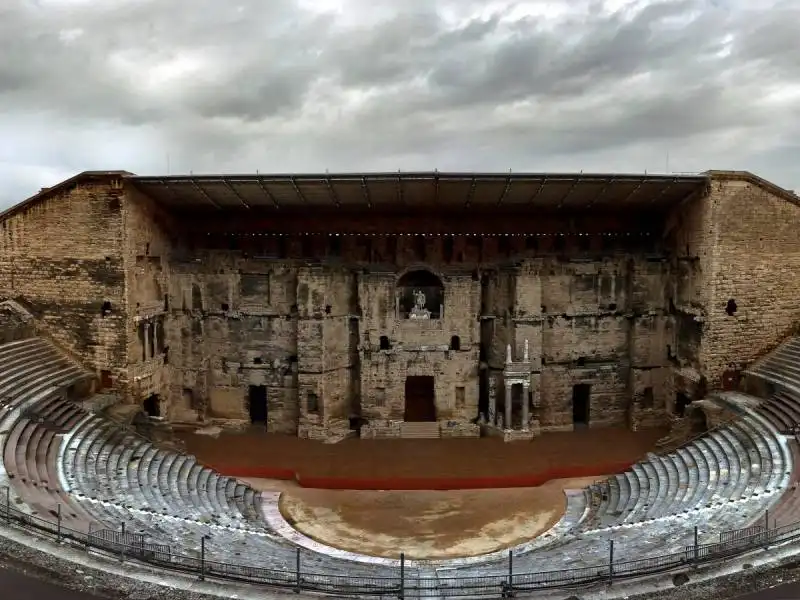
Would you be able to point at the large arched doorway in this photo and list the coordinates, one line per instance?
(420, 399)
(420, 295)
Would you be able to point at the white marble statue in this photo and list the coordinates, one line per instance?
(419, 311)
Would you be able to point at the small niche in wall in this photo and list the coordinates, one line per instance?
(731, 308)
(105, 309)
(647, 398)
(384, 343)
(461, 397)
(312, 402)
(455, 343)
(225, 307)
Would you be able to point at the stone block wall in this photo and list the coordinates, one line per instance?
(62, 258)
(318, 328)
(754, 273)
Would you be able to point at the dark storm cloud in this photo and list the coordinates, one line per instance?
(363, 84)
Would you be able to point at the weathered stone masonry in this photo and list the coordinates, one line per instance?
(316, 327)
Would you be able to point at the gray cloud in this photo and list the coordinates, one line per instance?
(199, 85)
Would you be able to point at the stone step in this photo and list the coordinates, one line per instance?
(420, 430)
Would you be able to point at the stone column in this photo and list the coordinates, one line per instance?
(492, 416)
(147, 333)
(526, 386)
(508, 421)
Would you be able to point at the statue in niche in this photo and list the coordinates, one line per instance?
(419, 311)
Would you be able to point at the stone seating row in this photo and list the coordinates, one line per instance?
(725, 480)
(33, 380)
(125, 470)
(55, 454)
(731, 463)
(106, 463)
(782, 368)
(109, 476)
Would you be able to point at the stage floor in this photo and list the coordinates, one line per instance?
(444, 458)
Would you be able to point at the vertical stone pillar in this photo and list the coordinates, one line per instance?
(147, 333)
(526, 386)
(492, 416)
(508, 407)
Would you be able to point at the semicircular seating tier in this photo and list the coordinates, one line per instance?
(57, 455)
(781, 369)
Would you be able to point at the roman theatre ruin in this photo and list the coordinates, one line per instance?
(620, 348)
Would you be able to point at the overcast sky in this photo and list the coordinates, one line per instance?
(158, 86)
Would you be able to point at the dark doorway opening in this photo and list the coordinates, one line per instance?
(581, 394)
(105, 380)
(697, 422)
(152, 406)
(517, 400)
(257, 396)
(681, 402)
(483, 393)
(420, 399)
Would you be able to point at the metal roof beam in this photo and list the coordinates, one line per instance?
(235, 193)
(663, 191)
(332, 193)
(606, 186)
(267, 193)
(505, 190)
(297, 190)
(365, 191)
(205, 194)
(400, 198)
(571, 189)
(538, 190)
(634, 191)
(471, 192)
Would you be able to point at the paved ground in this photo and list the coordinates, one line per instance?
(17, 586)
(423, 524)
(790, 591)
(478, 457)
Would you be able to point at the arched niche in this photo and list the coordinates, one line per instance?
(420, 295)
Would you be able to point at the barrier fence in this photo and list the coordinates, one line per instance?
(402, 584)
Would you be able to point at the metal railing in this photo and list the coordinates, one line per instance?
(124, 545)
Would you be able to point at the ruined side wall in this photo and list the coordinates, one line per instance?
(147, 256)
(691, 236)
(62, 258)
(756, 263)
